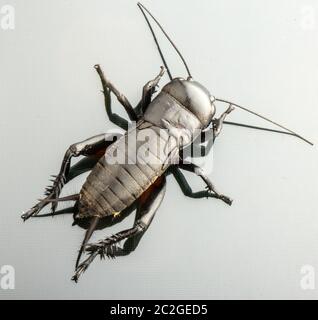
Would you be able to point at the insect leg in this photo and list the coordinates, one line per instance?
(147, 207)
(109, 87)
(209, 135)
(88, 234)
(149, 89)
(191, 167)
(218, 123)
(113, 117)
(186, 188)
(86, 147)
(89, 161)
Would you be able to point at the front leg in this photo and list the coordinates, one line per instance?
(209, 134)
(108, 86)
(191, 167)
(217, 124)
(149, 89)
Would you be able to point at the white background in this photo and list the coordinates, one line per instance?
(262, 54)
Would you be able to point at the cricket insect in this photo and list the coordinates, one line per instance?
(184, 111)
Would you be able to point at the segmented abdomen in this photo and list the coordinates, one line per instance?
(111, 187)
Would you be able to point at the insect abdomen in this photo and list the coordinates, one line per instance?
(112, 187)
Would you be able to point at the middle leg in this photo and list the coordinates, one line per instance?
(185, 186)
(210, 134)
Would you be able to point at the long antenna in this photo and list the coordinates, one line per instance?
(156, 41)
(244, 125)
(143, 8)
(266, 119)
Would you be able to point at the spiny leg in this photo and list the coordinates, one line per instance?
(82, 166)
(109, 87)
(106, 248)
(148, 204)
(86, 147)
(68, 210)
(73, 197)
(191, 167)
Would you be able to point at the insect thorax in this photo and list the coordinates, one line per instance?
(184, 107)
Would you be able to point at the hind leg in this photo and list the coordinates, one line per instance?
(86, 147)
(148, 204)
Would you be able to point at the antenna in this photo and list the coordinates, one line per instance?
(266, 119)
(244, 125)
(143, 9)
